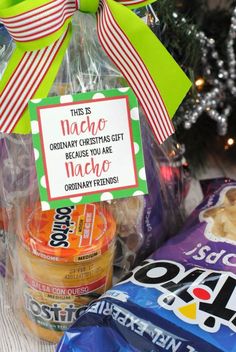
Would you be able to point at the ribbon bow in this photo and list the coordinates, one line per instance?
(42, 30)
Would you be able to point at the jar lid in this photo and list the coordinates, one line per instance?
(69, 234)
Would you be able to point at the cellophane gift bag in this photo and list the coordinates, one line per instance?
(53, 276)
(5, 51)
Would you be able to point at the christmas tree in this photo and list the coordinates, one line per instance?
(201, 37)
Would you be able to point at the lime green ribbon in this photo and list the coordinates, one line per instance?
(165, 73)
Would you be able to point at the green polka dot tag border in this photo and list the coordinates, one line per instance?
(141, 183)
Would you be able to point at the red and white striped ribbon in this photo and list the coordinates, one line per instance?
(122, 53)
(24, 82)
(40, 22)
(33, 67)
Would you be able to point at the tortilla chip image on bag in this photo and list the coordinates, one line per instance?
(181, 299)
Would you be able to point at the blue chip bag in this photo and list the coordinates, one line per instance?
(181, 299)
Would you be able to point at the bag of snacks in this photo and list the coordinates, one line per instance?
(63, 258)
(180, 299)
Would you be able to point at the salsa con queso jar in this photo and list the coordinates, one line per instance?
(65, 259)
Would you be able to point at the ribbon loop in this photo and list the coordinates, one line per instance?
(40, 26)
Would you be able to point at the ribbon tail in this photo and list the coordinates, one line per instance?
(158, 82)
(29, 75)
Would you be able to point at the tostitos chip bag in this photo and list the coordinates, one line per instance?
(181, 299)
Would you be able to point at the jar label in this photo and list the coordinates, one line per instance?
(56, 307)
(62, 290)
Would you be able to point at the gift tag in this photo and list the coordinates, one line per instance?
(88, 147)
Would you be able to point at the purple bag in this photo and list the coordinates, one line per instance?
(182, 299)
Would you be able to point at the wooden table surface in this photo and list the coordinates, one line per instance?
(12, 336)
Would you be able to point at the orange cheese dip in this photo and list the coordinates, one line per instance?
(66, 258)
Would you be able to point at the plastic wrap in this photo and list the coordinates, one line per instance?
(5, 52)
(3, 250)
(57, 265)
(6, 47)
(180, 299)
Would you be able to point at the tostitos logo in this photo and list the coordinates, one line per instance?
(56, 312)
(61, 228)
(197, 296)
